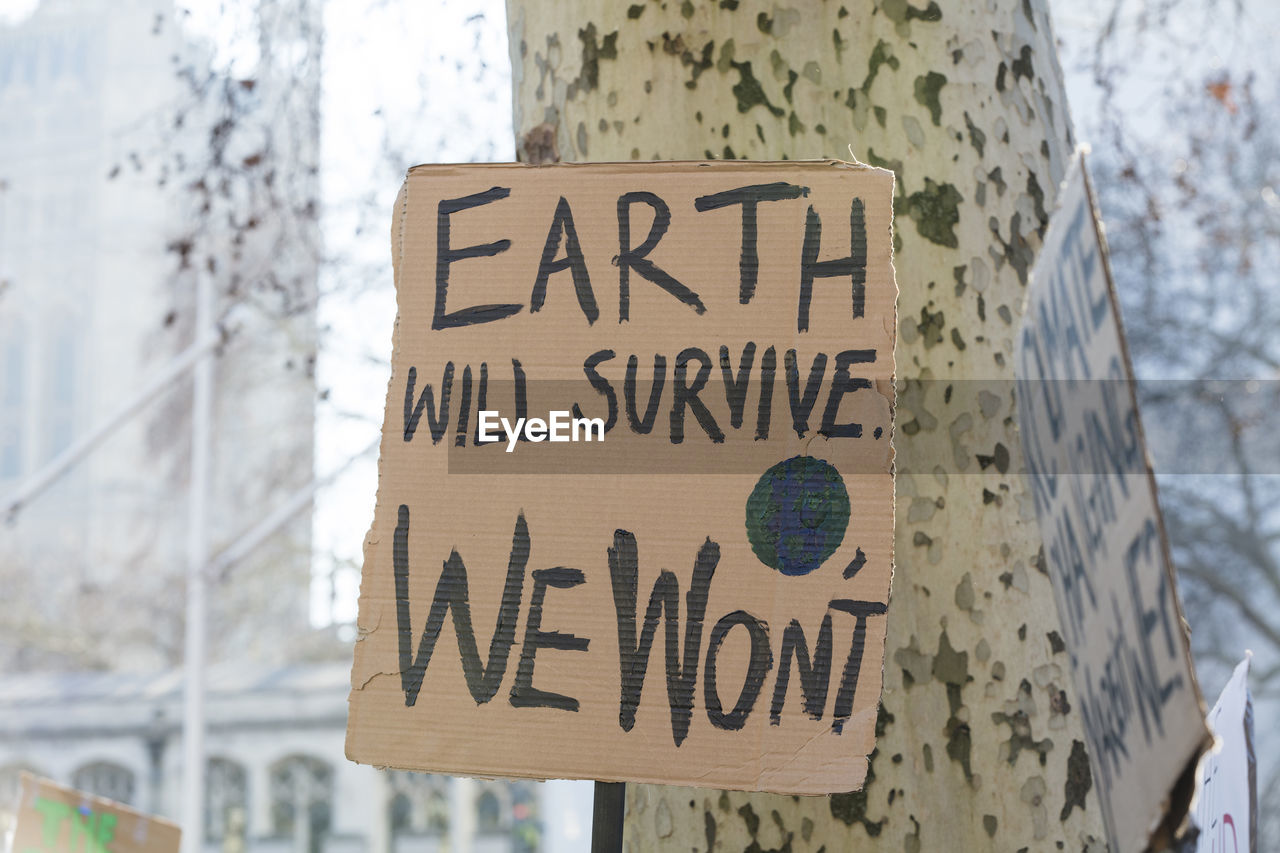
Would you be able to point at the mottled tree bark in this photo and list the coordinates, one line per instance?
(980, 747)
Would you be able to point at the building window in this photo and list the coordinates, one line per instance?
(492, 815)
(419, 803)
(226, 800)
(106, 779)
(301, 801)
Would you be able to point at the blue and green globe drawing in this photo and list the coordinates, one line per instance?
(797, 515)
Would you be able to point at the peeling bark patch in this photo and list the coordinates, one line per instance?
(1059, 704)
(1037, 196)
(902, 12)
(927, 88)
(952, 668)
(881, 54)
(964, 593)
(1017, 252)
(911, 841)
(916, 665)
(792, 77)
(935, 211)
(1021, 67)
(1079, 780)
(539, 145)
(592, 53)
(977, 138)
(930, 327)
(694, 62)
(1017, 716)
(749, 92)
(996, 176)
(750, 818)
(1033, 793)
(999, 458)
(883, 719)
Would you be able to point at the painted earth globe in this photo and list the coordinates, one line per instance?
(797, 515)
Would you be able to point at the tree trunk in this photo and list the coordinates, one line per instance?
(980, 746)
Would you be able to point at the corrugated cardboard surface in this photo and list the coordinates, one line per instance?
(674, 503)
(54, 819)
(1105, 544)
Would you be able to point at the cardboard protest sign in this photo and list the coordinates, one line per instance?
(1105, 545)
(53, 819)
(635, 507)
(1226, 809)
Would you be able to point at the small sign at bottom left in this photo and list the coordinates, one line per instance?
(54, 819)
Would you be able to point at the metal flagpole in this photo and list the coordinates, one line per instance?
(193, 722)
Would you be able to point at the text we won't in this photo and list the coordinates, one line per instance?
(637, 631)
